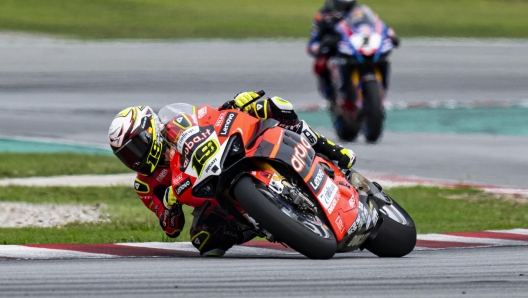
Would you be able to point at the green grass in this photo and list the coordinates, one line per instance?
(130, 220)
(455, 18)
(459, 210)
(51, 164)
(161, 19)
(433, 210)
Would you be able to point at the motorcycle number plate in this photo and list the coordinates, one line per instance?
(368, 44)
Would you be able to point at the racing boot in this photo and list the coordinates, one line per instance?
(211, 233)
(344, 157)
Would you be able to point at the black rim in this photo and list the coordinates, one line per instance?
(310, 221)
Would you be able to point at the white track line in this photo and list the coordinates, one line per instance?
(512, 231)
(462, 239)
(187, 246)
(24, 252)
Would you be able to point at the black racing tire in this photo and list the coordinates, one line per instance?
(373, 112)
(393, 239)
(280, 225)
(346, 128)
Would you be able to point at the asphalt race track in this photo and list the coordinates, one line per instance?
(480, 272)
(71, 90)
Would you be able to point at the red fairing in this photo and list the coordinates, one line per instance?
(182, 185)
(211, 121)
(150, 190)
(342, 208)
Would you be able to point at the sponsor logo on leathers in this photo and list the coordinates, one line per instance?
(179, 189)
(141, 187)
(177, 179)
(162, 175)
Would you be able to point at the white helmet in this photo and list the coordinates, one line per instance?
(135, 139)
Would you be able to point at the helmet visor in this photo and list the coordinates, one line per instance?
(344, 5)
(133, 151)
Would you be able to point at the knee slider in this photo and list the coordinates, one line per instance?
(200, 240)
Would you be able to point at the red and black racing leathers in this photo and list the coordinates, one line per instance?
(151, 190)
(210, 231)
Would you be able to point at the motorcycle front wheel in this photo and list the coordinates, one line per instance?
(305, 234)
(373, 112)
(345, 124)
(396, 236)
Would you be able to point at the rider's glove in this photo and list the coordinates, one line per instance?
(328, 43)
(172, 224)
(171, 203)
(243, 98)
(395, 41)
(348, 159)
(172, 218)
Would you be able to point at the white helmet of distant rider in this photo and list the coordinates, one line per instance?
(341, 5)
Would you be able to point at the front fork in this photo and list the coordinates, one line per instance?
(368, 221)
(357, 80)
(281, 186)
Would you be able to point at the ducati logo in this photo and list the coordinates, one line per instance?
(259, 106)
(136, 185)
(197, 241)
(179, 120)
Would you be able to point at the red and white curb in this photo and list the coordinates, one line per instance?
(255, 249)
(388, 181)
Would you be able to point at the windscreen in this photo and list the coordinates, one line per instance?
(361, 15)
(168, 112)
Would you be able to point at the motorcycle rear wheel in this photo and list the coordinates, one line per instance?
(393, 239)
(373, 112)
(281, 225)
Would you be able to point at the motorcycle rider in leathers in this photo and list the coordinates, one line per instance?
(323, 44)
(136, 138)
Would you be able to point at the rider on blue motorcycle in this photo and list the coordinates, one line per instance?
(324, 40)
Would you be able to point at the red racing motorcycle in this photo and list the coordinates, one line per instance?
(271, 183)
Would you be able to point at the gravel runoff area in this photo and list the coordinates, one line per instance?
(18, 215)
